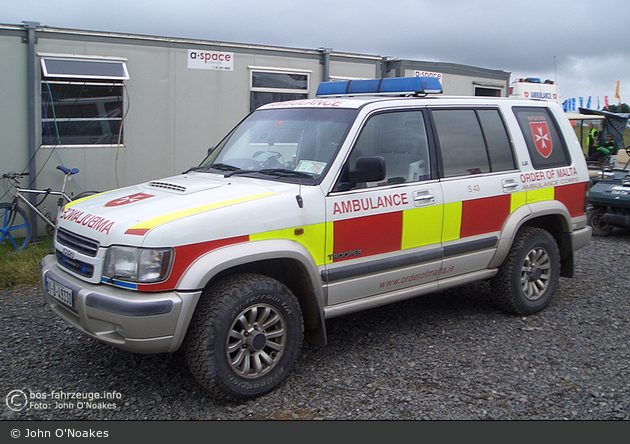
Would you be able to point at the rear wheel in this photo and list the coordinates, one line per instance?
(244, 337)
(527, 279)
(15, 228)
(595, 219)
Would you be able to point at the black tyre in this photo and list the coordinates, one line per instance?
(528, 278)
(15, 227)
(595, 219)
(244, 337)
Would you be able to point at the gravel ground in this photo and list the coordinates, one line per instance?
(450, 356)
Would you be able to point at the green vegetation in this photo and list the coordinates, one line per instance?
(22, 268)
(621, 108)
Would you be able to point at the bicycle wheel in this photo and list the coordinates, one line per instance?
(85, 194)
(15, 228)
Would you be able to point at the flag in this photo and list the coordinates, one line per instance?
(597, 102)
(581, 102)
(605, 102)
(588, 104)
(617, 92)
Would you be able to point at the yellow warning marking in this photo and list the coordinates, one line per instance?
(151, 223)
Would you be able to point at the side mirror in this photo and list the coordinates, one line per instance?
(368, 169)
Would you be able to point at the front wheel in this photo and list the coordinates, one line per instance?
(244, 337)
(527, 279)
(15, 227)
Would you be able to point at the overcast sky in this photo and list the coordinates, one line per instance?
(583, 45)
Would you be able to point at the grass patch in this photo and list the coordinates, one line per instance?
(22, 268)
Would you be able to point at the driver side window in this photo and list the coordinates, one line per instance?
(400, 138)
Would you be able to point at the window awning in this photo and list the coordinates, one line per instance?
(78, 68)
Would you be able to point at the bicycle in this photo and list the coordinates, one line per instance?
(15, 225)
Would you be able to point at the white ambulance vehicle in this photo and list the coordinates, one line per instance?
(371, 193)
(534, 88)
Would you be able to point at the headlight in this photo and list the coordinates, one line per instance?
(138, 264)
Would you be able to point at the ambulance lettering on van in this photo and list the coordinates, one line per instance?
(321, 207)
(534, 88)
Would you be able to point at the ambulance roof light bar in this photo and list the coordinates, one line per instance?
(391, 86)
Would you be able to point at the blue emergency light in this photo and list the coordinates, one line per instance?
(389, 86)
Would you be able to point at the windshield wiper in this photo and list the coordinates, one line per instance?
(238, 171)
(223, 167)
(214, 166)
(280, 172)
(197, 168)
(284, 172)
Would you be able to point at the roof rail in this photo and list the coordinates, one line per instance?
(391, 86)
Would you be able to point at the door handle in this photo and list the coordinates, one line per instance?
(509, 185)
(424, 197)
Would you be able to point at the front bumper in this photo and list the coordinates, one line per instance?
(130, 320)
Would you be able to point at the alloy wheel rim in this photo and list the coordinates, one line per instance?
(256, 341)
(536, 273)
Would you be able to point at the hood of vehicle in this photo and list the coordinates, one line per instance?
(613, 190)
(128, 214)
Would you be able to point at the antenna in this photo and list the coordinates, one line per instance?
(299, 199)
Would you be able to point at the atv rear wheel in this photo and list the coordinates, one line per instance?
(595, 219)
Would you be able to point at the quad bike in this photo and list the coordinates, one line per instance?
(608, 200)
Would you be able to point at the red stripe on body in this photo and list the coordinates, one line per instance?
(572, 196)
(380, 233)
(185, 255)
(485, 215)
(137, 231)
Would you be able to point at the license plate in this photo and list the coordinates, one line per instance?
(60, 292)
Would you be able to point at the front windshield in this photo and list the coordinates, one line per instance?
(292, 143)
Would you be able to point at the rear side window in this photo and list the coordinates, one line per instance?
(546, 147)
(497, 140)
(472, 141)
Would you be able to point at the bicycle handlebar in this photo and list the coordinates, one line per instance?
(13, 175)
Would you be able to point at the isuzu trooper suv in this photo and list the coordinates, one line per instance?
(374, 192)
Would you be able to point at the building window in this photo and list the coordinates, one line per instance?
(82, 101)
(277, 85)
(487, 92)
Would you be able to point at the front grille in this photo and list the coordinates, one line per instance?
(77, 243)
(79, 267)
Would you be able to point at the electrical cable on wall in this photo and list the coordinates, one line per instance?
(56, 138)
(122, 122)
